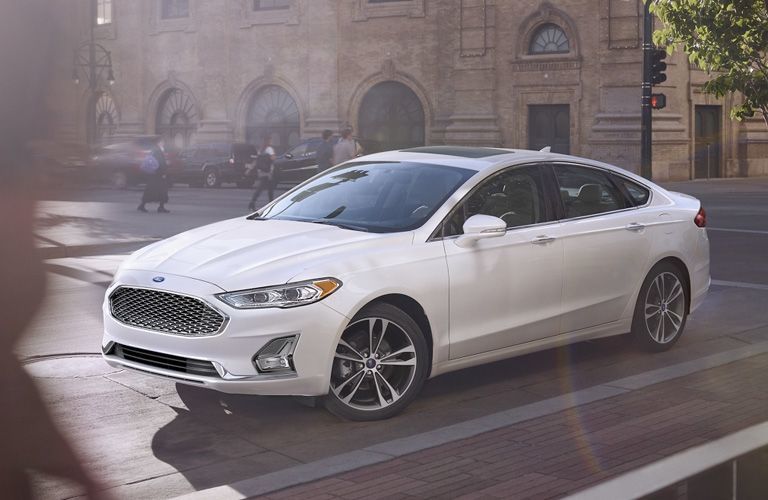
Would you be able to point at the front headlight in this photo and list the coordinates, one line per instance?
(290, 295)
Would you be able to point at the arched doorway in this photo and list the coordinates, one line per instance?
(391, 117)
(273, 111)
(176, 118)
(102, 119)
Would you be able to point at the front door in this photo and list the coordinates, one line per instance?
(504, 290)
(708, 142)
(549, 125)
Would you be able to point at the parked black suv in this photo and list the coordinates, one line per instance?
(210, 165)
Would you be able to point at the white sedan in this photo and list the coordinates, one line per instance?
(365, 281)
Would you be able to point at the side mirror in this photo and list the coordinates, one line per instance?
(288, 155)
(479, 227)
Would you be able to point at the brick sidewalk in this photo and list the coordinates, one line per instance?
(564, 452)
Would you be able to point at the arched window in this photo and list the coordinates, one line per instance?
(273, 111)
(102, 123)
(176, 118)
(391, 117)
(549, 39)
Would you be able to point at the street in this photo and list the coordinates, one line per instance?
(150, 438)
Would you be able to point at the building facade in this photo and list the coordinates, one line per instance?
(511, 73)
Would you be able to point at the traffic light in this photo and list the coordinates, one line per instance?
(658, 66)
(658, 101)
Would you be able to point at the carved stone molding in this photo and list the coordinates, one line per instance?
(546, 65)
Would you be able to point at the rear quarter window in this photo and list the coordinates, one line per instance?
(638, 195)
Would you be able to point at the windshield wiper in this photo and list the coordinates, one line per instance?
(339, 224)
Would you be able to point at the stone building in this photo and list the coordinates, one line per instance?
(512, 73)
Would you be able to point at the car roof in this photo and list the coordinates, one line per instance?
(487, 158)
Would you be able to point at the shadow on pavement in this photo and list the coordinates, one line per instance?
(220, 438)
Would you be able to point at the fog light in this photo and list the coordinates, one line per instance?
(276, 356)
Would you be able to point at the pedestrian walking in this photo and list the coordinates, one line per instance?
(346, 148)
(155, 168)
(325, 152)
(265, 172)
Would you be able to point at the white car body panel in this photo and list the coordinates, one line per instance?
(502, 297)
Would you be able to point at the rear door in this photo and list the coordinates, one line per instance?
(605, 244)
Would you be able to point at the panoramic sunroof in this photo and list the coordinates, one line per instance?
(464, 152)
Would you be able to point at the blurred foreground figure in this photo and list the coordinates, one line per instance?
(29, 440)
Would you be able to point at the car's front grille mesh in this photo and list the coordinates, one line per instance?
(165, 312)
(165, 361)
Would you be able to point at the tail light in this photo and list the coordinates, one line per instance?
(701, 218)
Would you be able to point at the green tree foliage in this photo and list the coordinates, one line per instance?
(726, 38)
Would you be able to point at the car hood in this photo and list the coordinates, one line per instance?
(241, 253)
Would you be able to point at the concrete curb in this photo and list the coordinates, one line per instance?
(382, 452)
(60, 252)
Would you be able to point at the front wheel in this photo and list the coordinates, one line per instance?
(380, 365)
(661, 309)
(211, 178)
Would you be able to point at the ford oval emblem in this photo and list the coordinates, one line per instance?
(158, 279)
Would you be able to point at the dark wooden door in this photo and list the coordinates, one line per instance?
(549, 125)
(708, 142)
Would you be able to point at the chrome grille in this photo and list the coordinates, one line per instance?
(165, 361)
(165, 312)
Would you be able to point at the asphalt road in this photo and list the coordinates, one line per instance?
(146, 439)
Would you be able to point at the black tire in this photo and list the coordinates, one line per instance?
(665, 307)
(119, 180)
(385, 376)
(211, 177)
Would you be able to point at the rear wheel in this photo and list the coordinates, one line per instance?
(380, 365)
(211, 178)
(661, 309)
(119, 180)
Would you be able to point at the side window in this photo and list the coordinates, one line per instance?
(586, 191)
(637, 193)
(299, 150)
(312, 146)
(516, 196)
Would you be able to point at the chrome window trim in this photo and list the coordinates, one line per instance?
(221, 329)
(608, 171)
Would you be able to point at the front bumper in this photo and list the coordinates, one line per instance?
(231, 352)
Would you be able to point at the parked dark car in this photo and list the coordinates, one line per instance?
(120, 163)
(212, 164)
(300, 162)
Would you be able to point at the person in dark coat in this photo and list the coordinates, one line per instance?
(156, 189)
(325, 152)
(265, 171)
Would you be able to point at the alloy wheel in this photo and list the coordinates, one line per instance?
(664, 308)
(375, 363)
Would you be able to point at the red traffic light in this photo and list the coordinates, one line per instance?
(658, 101)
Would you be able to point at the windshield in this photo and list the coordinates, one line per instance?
(376, 197)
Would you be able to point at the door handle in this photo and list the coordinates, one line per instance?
(543, 240)
(634, 226)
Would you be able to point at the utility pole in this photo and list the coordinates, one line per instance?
(646, 128)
